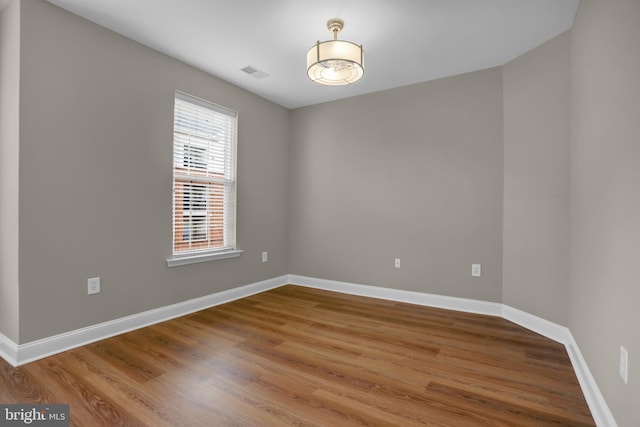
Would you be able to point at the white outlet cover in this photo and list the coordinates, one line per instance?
(93, 286)
(476, 270)
(624, 365)
(265, 256)
(396, 263)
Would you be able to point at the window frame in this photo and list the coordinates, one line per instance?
(204, 143)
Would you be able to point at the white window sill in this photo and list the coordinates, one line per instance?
(192, 259)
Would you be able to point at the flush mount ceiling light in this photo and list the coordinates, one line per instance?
(335, 62)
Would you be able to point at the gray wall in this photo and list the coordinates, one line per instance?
(604, 289)
(536, 181)
(9, 154)
(413, 172)
(95, 177)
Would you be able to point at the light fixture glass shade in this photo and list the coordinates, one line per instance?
(335, 62)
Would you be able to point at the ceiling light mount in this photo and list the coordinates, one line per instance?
(335, 25)
(335, 62)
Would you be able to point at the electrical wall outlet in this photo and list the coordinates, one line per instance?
(93, 286)
(476, 270)
(624, 365)
(265, 256)
(396, 263)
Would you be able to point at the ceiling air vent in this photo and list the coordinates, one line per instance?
(254, 72)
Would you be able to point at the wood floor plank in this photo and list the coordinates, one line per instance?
(308, 357)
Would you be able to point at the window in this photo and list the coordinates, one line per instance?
(204, 181)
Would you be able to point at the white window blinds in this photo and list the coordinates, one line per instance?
(204, 176)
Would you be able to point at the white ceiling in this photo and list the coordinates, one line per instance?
(405, 41)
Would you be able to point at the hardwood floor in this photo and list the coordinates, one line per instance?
(306, 357)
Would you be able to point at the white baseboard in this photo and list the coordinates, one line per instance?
(8, 350)
(410, 297)
(537, 324)
(599, 409)
(597, 405)
(18, 355)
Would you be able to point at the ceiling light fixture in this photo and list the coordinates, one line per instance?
(335, 62)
